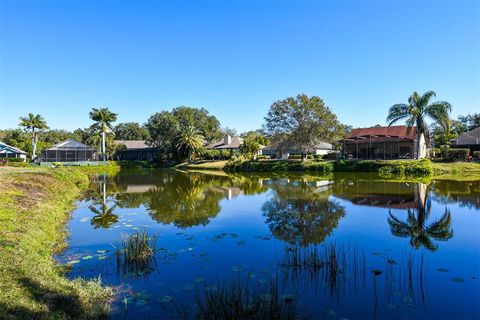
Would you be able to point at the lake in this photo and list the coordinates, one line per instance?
(336, 247)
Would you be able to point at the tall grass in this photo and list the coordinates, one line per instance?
(136, 252)
(241, 300)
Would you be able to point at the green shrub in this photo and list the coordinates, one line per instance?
(455, 154)
(476, 155)
(262, 157)
(294, 157)
(14, 159)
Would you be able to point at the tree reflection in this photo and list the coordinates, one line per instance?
(416, 228)
(298, 214)
(104, 216)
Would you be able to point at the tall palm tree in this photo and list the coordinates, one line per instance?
(33, 123)
(416, 112)
(189, 139)
(418, 231)
(103, 118)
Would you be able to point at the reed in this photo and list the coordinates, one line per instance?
(241, 300)
(136, 252)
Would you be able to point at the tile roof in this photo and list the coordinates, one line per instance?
(133, 144)
(392, 131)
(468, 138)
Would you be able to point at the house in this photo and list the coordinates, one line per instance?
(470, 139)
(283, 152)
(393, 142)
(68, 151)
(227, 143)
(134, 150)
(7, 151)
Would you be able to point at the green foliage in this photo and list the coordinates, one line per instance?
(164, 129)
(103, 119)
(455, 154)
(471, 121)
(130, 131)
(33, 123)
(250, 148)
(258, 136)
(278, 166)
(436, 153)
(476, 155)
(189, 140)
(387, 168)
(418, 109)
(302, 121)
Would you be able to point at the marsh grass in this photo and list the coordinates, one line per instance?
(136, 253)
(239, 299)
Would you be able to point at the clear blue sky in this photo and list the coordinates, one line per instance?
(60, 59)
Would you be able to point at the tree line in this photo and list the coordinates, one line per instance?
(182, 133)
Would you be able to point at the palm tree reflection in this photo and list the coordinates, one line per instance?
(415, 227)
(104, 216)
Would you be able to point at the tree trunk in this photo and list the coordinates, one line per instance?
(103, 146)
(418, 147)
(34, 145)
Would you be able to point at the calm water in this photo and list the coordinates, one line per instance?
(406, 250)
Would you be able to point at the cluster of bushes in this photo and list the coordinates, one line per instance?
(278, 166)
(399, 168)
(476, 155)
(422, 167)
(455, 154)
(214, 154)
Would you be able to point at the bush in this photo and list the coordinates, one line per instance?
(476, 155)
(318, 156)
(294, 157)
(455, 154)
(14, 159)
(436, 153)
(331, 156)
(262, 157)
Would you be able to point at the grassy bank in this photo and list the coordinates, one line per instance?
(457, 168)
(203, 165)
(398, 168)
(34, 208)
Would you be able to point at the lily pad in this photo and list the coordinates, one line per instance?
(73, 262)
(391, 261)
(102, 251)
(87, 257)
(165, 299)
(377, 272)
(458, 279)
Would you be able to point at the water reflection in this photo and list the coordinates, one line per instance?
(104, 216)
(301, 212)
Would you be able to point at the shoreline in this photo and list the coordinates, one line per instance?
(35, 206)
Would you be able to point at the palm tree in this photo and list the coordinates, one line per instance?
(190, 140)
(33, 123)
(416, 112)
(103, 121)
(416, 229)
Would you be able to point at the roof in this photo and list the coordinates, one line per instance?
(5, 148)
(468, 138)
(320, 146)
(235, 143)
(392, 131)
(133, 144)
(70, 144)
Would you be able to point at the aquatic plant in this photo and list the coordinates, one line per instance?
(136, 252)
(238, 299)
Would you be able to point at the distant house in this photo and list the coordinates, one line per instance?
(394, 142)
(68, 151)
(470, 139)
(227, 143)
(7, 151)
(134, 150)
(283, 152)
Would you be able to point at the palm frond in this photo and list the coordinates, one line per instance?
(397, 112)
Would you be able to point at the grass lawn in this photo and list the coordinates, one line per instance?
(204, 165)
(34, 208)
(457, 169)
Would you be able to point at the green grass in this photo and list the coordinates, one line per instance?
(34, 208)
(203, 165)
(457, 168)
